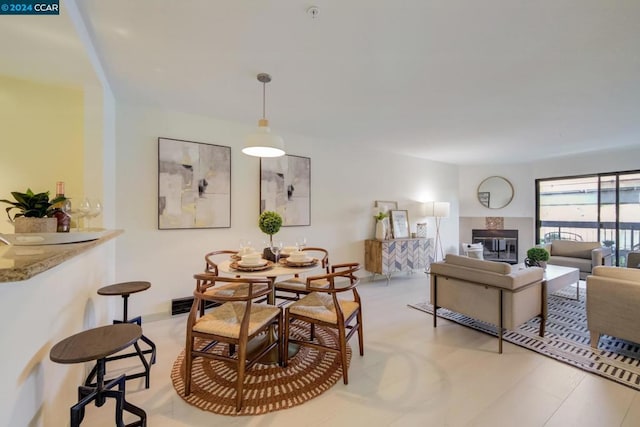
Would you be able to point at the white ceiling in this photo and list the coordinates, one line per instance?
(458, 81)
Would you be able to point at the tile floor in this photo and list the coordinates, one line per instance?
(410, 375)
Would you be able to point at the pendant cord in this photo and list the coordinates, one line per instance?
(264, 85)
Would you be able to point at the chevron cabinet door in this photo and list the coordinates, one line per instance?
(396, 255)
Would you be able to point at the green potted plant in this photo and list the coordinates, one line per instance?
(269, 223)
(537, 257)
(33, 212)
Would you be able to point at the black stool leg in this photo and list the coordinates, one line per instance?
(100, 393)
(152, 350)
(139, 352)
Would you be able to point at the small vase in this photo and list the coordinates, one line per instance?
(380, 230)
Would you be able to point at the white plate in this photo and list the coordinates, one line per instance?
(305, 259)
(32, 239)
(252, 264)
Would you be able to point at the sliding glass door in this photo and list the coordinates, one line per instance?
(592, 208)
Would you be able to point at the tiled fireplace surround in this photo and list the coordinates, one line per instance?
(524, 225)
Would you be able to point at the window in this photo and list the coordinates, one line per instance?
(599, 207)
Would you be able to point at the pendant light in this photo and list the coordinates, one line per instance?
(263, 143)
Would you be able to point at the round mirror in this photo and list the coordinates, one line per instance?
(495, 192)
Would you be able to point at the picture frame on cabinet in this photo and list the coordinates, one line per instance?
(194, 185)
(400, 223)
(386, 206)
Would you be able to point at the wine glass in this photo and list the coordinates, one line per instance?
(276, 248)
(245, 246)
(84, 208)
(75, 213)
(95, 209)
(301, 243)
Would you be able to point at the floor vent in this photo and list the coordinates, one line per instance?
(183, 305)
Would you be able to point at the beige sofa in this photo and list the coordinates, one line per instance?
(613, 303)
(488, 291)
(581, 255)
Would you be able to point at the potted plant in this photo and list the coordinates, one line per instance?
(537, 257)
(33, 212)
(269, 223)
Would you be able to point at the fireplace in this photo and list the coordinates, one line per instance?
(499, 245)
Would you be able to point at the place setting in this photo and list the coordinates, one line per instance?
(298, 258)
(252, 261)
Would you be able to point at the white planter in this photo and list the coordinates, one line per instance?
(35, 225)
(380, 230)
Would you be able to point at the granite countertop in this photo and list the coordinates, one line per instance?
(24, 262)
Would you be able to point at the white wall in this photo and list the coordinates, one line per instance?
(597, 162)
(344, 184)
(523, 203)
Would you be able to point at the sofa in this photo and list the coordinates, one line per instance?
(581, 255)
(489, 291)
(613, 303)
(633, 260)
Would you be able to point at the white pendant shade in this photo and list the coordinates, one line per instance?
(263, 143)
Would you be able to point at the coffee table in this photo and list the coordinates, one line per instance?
(555, 278)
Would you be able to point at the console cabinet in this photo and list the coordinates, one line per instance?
(391, 256)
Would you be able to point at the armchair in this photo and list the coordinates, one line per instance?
(613, 298)
(581, 255)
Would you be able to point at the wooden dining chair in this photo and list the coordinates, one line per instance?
(211, 261)
(235, 323)
(298, 285)
(323, 307)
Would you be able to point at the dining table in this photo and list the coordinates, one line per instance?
(277, 269)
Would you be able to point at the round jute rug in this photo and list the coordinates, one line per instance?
(267, 388)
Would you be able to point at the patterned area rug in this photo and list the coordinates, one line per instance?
(267, 388)
(566, 338)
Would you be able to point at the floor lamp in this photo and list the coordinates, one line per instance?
(437, 210)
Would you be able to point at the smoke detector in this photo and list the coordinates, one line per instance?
(313, 11)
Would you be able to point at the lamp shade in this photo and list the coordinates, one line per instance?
(437, 209)
(263, 143)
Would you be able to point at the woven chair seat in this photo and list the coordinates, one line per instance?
(320, 307)
(225, 320)
(233, 290)
(297, 284)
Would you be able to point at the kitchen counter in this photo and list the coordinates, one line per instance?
(23, 262)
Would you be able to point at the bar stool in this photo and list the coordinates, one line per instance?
(96, 344)
(125, 289)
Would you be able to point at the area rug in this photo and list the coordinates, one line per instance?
(267, 388)
(566, 338)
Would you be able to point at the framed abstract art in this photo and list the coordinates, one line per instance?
(194, 185)
(285, 187)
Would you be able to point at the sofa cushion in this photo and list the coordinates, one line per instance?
(491, 273)
(570, 248)
(494, 267)
(582, 264)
